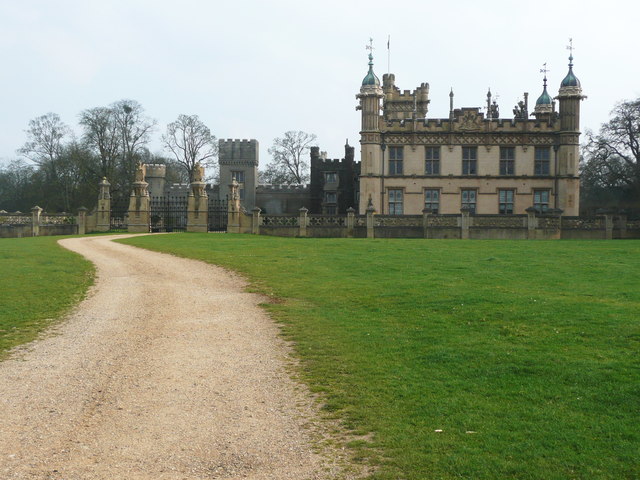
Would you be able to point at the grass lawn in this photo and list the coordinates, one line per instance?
(464, 359)
(39, 281)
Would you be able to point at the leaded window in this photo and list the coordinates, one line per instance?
(541, 200)
(542, 161)
(396, 157)
(469, 160)
(469, 198)
(330, 177)
(432, 199)
(237, 175)
(396, 197)
(330, 197)
(507, 160)
(505, 202)
(432, 161)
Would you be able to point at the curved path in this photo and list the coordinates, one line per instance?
(168, 370)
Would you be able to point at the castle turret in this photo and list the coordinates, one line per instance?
(369, 96)
(155, 176)
(544, 105)
(370, 140)
(568, 149)
(569, 97)
(238, 160)
(405, 105)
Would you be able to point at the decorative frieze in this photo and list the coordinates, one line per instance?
(468, 139)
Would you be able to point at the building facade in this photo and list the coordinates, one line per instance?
(472, 159)
(334, 182)
(238, 160)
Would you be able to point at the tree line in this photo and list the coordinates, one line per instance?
(60, 172)
(610, 167)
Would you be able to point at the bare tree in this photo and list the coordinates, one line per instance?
(289, 157)
(118, 135)
(612, 157)
(44, 139)
(191, 142)
(15, 180)
(134, 130)
(101, 134)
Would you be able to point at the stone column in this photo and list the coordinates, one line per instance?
(139, 205)
(351, 221)
(35, 221)
(557, 235)
(608, 226)
(103, 212)
(425, 222)
(82, 220)
(255, 221)
(370, 226)
(532, 223)
(233, 209)
(622, 225)
(198, 203)
(302, 221)
(465, 222)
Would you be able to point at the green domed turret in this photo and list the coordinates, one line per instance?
(544, 105)
(570, 80)
(371, 78)
(545, 98)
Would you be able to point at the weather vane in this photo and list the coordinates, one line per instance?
(544, 69)
(570, 47)
(370, 46)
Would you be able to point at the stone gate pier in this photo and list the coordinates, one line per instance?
(139, 204)
(198, 203)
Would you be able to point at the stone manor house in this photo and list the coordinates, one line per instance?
(473, 160)
(470, 160)
(471, 175)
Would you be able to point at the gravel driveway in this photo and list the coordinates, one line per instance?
(168, 370)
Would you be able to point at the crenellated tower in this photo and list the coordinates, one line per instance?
(238, 160)
(404, 105)
(156, 177)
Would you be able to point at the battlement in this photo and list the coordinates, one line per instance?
(320, 161)
(330, 161)
(391, 91)
(155, 170)
(282, 188)
(469, 120)
(405, 104)
(327, 163)
(236, 140)
(238, 152)
(405, 94)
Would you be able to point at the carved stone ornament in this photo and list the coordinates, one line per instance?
(140, 171)
(198, 172)
(470, 121)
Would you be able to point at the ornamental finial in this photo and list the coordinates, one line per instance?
(570, 48)
(544, 70)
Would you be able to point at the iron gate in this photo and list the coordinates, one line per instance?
(169, 214)
(217, 215)
(119, 215)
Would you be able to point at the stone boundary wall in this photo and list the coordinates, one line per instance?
(464, 225)
(39, 224)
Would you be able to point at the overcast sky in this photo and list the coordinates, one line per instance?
(255, 69)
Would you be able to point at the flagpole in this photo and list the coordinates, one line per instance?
(389, 54)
